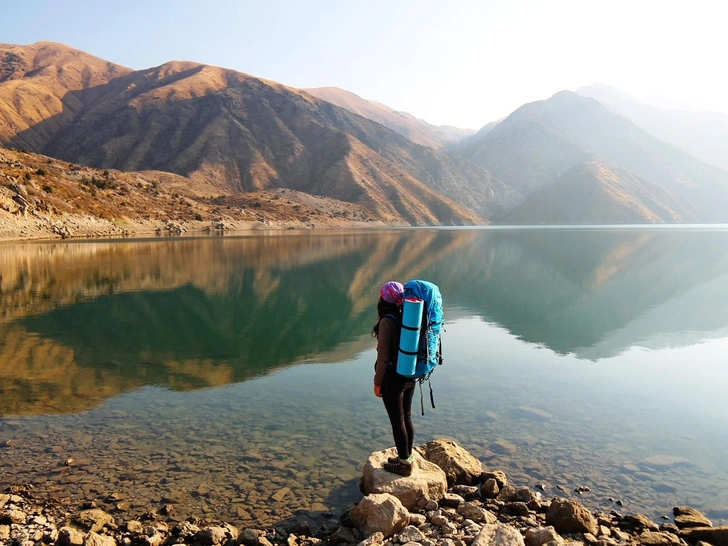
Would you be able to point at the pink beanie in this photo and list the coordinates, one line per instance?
(392, 292)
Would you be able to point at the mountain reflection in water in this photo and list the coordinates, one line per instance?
(82, 322)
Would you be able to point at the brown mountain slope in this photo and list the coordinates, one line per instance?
(242, 134)
(46, 81)
(417, 130)
(595, 193)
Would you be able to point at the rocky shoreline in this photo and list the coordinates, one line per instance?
(449, 500)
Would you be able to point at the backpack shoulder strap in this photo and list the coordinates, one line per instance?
(396, 319)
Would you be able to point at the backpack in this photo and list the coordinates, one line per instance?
(420, 350)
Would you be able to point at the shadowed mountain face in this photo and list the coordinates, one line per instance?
(541, 142)
(43, 87)
(82, 322)
(405, 124)
(702, 134)
(596, 190)
(238, 133)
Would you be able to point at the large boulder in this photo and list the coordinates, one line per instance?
(427, 479)
(686, 517)
(459, 465)
(380, 513)
(498, 534)
(571, 517)
(717, 536)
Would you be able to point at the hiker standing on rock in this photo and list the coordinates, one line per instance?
(395, 390)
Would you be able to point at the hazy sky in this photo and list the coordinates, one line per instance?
(457, 62)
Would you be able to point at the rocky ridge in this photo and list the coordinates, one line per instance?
(443, 503)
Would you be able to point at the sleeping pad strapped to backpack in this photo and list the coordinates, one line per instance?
(420, 349)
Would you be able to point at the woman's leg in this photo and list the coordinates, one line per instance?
(393, 396)
(407, 394)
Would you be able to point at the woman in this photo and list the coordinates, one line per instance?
(395, 390)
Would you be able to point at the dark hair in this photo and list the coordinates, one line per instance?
(385, 308)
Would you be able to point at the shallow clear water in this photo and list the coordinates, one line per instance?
(232, 376)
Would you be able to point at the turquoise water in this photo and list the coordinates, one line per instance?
(232, 376)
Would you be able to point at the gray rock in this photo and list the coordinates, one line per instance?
(380, 513)
(448, 529)
(490, 489)
(468, 492)
(135, 526)
(154, 540)
(69, 536)
(431, 505)
(656, 538)
(470, 527)
(93, 519)
(94, 539)
(517, 508)
(187, 530)
(717, 536)
(541, 535)
(14, 516)
(498, 534)
(459, 465)
(498, 475)
(216, 535)
(476, 513)
(686, 517)
(639, 522)
(343, 535)
(508, 493)
(427, 479)
(570, 517)
(411, 534)
(451, 500)
(373, 540)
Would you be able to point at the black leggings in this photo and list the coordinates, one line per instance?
(397, 393)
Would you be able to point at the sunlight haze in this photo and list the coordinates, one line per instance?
(463, 63)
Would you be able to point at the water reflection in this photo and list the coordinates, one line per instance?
(82, 322)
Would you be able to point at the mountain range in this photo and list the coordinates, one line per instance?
(702, 134)
(568, 159)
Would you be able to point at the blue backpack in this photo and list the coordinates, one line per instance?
(429, 350)
(429, 347)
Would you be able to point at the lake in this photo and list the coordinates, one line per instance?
(232, 376)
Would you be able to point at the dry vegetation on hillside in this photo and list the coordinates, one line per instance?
(42, 197)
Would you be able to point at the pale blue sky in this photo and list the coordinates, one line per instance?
(462, 62)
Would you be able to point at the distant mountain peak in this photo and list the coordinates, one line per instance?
(407, 125)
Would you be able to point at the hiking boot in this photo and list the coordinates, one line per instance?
(403, 468)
